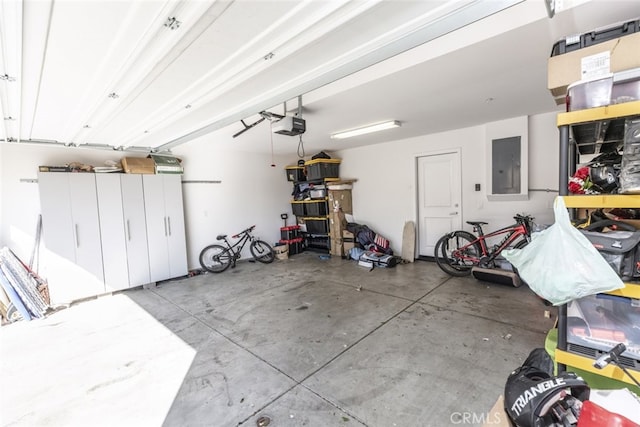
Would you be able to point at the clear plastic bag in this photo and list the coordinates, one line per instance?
(560, 264)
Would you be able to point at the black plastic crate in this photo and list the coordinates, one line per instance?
(317, 225)
(290, 232)
(579, 41)
(295, 173)
(298, 208)
(318, 208)
(318, 242)
(322, 168)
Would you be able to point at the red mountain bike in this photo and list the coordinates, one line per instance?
(457, 252)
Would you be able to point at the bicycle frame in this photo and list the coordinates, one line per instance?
(514, 231)
(245, 236)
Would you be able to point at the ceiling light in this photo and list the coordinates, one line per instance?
(367, 129)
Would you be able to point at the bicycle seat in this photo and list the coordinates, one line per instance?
(221, 236)
(477, 223)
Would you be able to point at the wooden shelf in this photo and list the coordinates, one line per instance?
(599, 113)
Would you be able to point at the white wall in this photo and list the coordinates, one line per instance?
(250, 192)
(253, 192)
(384, 197)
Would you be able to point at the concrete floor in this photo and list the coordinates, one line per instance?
(294, 341)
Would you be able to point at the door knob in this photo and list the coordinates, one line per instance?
(453, 213)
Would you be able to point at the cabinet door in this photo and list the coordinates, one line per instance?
(135, 229)
(112, 229)
(86, 225)
(157, 229)
(175, 225)
(55, 207)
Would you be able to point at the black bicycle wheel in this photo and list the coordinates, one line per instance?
(460, 243)
(215, 258)
(262, 251)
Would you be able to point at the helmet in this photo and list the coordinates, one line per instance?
(604, 177)
(535, 398)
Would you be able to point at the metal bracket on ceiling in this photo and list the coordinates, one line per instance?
(172, 23)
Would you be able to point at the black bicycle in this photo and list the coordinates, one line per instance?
(217, 258)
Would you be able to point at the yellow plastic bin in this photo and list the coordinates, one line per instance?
(595, 381)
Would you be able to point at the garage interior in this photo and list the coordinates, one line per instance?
(313, 338)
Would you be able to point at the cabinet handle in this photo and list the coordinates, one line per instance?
(77, 238)
(165, 225)
(128, 231)
(169, 222)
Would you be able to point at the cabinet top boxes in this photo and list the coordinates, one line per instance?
(610, 57)
(167, 164)
(138, 165)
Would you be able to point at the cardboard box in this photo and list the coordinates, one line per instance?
(574, 66)
(337, 223)
(337, 249)
(497, 417)
(340, 199)
(347, 245)
(138, 165)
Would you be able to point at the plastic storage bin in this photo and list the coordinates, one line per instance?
(295, 173)
(316, 208)
(595, 324)
(322, 168)
(298, 208)
(317, 225)
(295, 245)
(290, 232)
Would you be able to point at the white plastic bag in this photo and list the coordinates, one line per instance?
(560, 264)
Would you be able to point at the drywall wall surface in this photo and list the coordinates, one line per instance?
(19, 191)
(251, 192)
(385, 195)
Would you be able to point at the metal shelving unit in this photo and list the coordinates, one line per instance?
(591, 118)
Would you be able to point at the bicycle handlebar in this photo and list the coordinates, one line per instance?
(247, 231)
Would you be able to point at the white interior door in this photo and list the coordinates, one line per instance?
(439, 198)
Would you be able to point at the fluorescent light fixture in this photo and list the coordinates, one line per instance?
(367, 129)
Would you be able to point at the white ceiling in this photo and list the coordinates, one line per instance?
(122, 74)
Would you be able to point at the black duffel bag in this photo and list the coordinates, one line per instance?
(620, 247)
